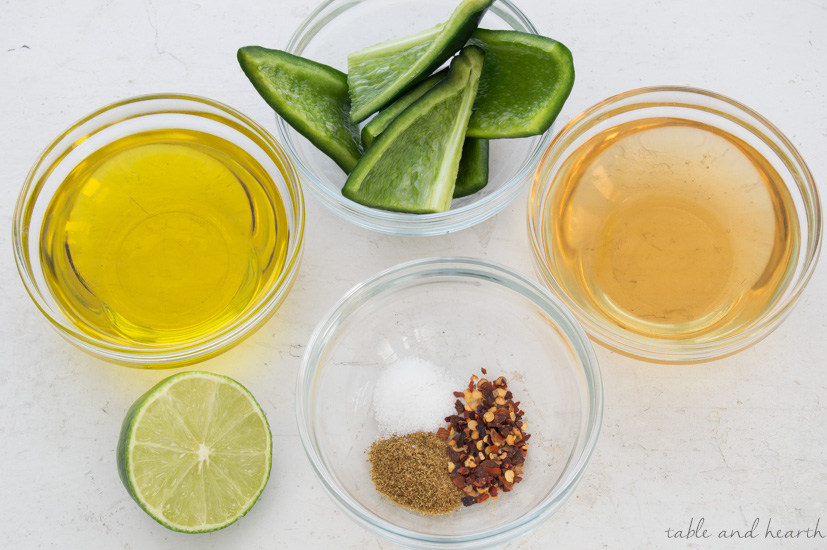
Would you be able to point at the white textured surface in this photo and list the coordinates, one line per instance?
(730, 441)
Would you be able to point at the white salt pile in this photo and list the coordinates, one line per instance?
(413, 395)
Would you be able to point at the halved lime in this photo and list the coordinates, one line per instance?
(195, 452)
(377, 75)
(311, 97)
(412, 165)
(525, 81)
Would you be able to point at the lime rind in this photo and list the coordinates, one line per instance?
(378, 74)
(127, 443)
(525, 81)
(412, 166)
(312, 97)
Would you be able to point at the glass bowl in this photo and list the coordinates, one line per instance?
(338, 27)
(775, 285)
(150, 115)
(460, 314)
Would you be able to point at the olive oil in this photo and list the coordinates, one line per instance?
(163, 237)
(672, 229)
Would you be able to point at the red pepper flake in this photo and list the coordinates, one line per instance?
(489, 442)
(442, 433)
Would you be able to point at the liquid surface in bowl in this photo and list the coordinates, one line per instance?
(671, 229)
(162, 237)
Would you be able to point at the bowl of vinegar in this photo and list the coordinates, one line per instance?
(679, 225)
(160, 230)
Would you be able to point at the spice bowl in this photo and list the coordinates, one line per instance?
(338, 27)
(462, 315)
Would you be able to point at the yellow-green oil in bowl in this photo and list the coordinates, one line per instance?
(162, 237)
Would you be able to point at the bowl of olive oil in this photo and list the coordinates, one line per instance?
(678, 225)
(160, 230)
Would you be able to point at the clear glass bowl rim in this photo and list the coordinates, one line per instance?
(747, 118)
(472, 268)
(396, 223)
(166, 356)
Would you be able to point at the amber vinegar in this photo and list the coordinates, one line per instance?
(163, 237)
(671, 229)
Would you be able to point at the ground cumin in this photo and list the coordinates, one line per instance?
(412, 471)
